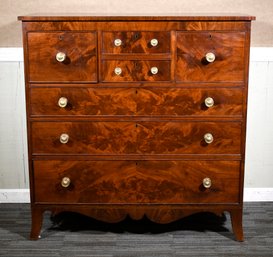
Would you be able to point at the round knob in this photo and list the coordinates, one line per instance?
(62, 102)
(118, 71)
(65, 182)
(209, 102)
(117, 42)
(60, 57)
(208, 138)
(207, 182)
(154, 70)
(64, 138)
(210, 57)
(154, 42)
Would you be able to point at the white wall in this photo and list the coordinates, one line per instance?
(13, 149)
(13, 142)
(259, 150)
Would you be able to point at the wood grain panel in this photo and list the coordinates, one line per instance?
(84, 137)
(227, 47)
(137, 26)
(136, 138)
(136, 101)
(188, 137)
(76, 17)
(189, 101)
(83, 101)
(135, 42)
(79, 65)
(136, 182)
(135, 71)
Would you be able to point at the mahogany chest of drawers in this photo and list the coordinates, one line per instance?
(134, 116)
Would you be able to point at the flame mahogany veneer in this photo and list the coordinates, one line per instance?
(136, 116)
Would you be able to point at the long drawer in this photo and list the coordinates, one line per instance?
(136, 181)
(124, 101)
(136, 137)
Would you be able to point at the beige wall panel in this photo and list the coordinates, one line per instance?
(10, 30)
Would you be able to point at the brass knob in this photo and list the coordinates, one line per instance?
(117, 42)
(154, 42)
(207, 182)
(62, 102)
(65, 182)
(154, 70)
(208, 137)
(118, 71)
(60, 57)
(64, 138)
(209, 102)
(210, 57)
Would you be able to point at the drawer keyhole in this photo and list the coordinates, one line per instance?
(136, 36)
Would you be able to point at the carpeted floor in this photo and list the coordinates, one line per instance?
(200, 235)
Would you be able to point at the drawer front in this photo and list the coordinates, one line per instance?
(189, 137)
(135, 42)
(75, 51)
(136, 181)
(193, 66)
(122, 71)
(136, 101)
(189, 102)
(84, 137)
(136, 137)
(83, 101)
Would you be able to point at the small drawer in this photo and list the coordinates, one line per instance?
(62, 56)
(129, 71)
(135, 42)
(156, 182)
(143, 137)
(210, 56)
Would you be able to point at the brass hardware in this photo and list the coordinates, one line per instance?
(209, 102)
(64, 138)
(208, 137)
(154, 70)
(65, 182)
(154, 42)
(210, 57)
(118, 71)
(207, 182)
(62, 102)
(60, 57)
(117, 42)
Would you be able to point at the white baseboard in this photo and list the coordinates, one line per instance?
(14, 196)
(262, 194)
(22, 195)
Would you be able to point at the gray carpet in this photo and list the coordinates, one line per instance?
(69, 235)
